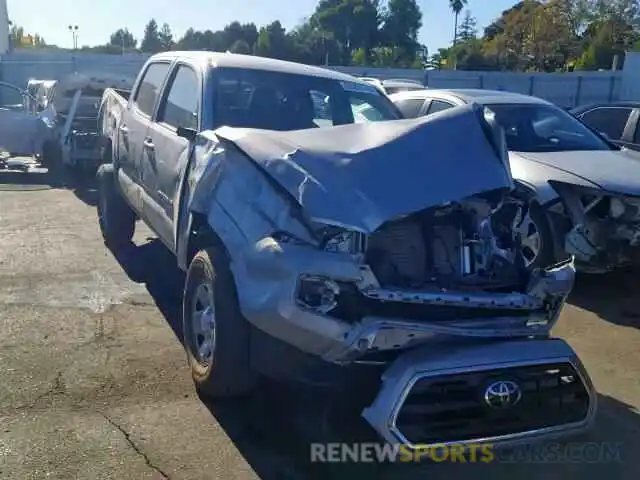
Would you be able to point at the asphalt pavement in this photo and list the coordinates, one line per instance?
(94, 382)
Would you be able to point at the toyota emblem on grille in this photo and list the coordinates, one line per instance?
(502, 394)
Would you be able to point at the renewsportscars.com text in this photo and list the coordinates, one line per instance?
(576, 452)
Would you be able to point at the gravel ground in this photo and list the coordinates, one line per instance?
(94, 382)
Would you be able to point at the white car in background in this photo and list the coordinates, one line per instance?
(585, 190)
(391, 86)
(25, 132)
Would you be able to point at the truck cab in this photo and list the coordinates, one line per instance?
(177, 95)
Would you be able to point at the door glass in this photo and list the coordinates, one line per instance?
(410, 107)
(438, 106)
(147, 94)
(365, 111)
(180, 108)
(11, 98)
(608, 120)
(322, 112)
(284, 101)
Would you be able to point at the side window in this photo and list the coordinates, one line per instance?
(364, 111)
(636, 136)
(322, 111)
(410, 107)
(11, 98)
(180, 106)
(609, 120)
(150, 86)
(438, 106)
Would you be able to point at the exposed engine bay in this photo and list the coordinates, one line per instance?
(463, 244)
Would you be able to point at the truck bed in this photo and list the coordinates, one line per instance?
(114, 102)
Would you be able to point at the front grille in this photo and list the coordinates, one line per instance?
(452, 408)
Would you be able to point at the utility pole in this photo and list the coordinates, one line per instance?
(74, 35)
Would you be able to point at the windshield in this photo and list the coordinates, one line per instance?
(282, 101)
(544, 128)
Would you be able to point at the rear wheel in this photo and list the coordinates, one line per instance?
(216, 335)
(117, 219)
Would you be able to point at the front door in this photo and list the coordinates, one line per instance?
(135, 125)
(166, 152)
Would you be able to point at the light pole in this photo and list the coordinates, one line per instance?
(74, 34)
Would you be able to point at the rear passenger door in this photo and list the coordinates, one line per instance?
(411, 107)
(137, 120)
(166, 152)
(437, 105)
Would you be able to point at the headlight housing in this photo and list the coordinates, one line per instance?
(317, 294)
(344, 241)
(330, 239)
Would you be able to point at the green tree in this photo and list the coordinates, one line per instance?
(166, 37)
(468, 27)
(456, 7)
(240, 46)
(314, 46)
(19, 38)
(236, 31)
(151, 40)
(402, 21)
(274, 42)
(122, 39)
(496, 27)
(352, 24)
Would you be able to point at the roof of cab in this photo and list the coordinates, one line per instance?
(470, 95)
(235, 60)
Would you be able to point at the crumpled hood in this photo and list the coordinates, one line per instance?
(613, 171)
(362, 175)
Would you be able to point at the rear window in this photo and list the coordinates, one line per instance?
(282, 101)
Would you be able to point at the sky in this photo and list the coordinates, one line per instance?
(97, 19)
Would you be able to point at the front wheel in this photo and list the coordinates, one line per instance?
(537, 239)
(216, 335)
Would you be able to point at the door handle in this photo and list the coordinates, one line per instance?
(148, 144)
(123, 129)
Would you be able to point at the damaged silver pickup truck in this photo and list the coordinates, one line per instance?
(326, 251)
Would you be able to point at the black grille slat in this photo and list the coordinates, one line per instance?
(453, 409)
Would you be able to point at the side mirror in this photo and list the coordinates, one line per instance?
(188, 133)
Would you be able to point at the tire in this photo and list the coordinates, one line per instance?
(227, 371)
(51, 155)
(545, 252)
(117, 220)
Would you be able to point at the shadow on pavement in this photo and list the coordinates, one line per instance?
(81, 184)
(613, 296)
(14, 180)
(274, 429)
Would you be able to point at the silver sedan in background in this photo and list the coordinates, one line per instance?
(584, 190)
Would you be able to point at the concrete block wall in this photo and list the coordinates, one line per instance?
(564, 89)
